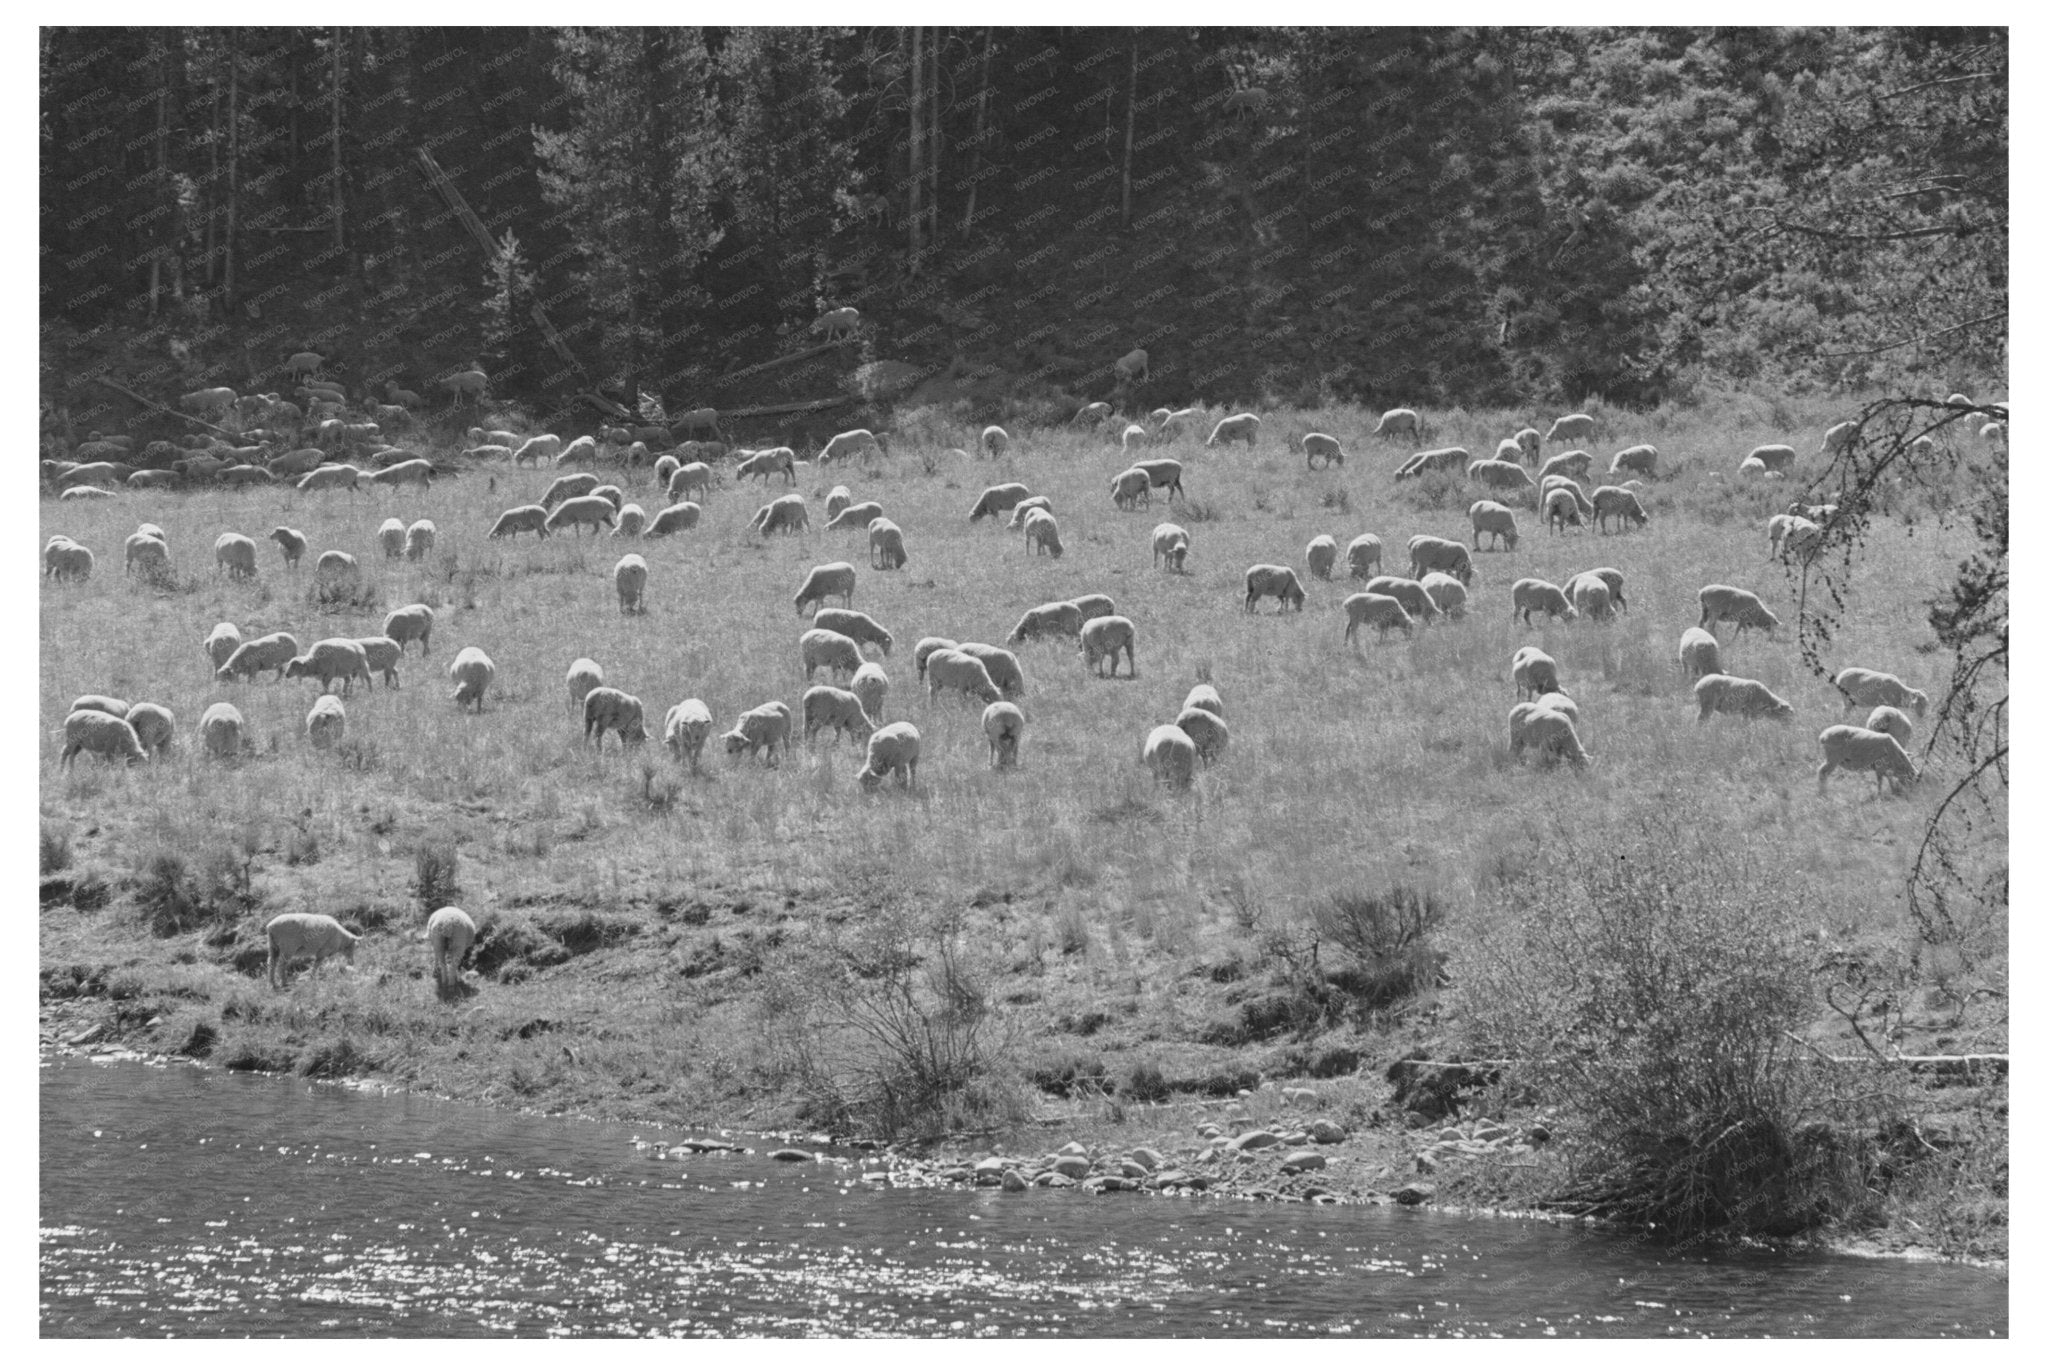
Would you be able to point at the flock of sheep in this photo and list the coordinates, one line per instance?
(1438, 586)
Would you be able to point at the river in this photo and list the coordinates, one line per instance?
(184, 1201)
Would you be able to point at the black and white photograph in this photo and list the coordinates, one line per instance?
(1163, 681)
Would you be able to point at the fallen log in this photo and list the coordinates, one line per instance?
(152, 403)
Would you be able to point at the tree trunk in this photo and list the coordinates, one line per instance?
(227, 297)
(213, 181)
(934, 129)
(988, 43)
(914, 208)
(334, 134)
(166, 232)
(1130, 130)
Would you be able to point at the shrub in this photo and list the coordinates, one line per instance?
(1387, 938)
(434, 881)
(55, 851)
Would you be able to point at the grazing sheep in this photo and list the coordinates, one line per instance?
(1493, 519)
(694, 477)
(871, 685)
(1507, 475)
(566, 487)
(331, 659)
(1638, 460)
(65, 558)
(830, 708)
(450, 932)
(236, 554)
(1003, 668)
(1413, 597)
(1042, 533)
(93, 701)
(1426, 553)
(303, 364)
(1447, 593)
(607, 708)
(154, 478)
(1548, 732)
(1102, 637)
(998, 499)
(786, 514)
(1529, 442)
(291, 544)
(1170, 754)
(383, 654)
(1163, 474)
(837, 501)
(331, 476)
(208, 400)
(294, 463)
(859, 441)
(629, 578)
(1204, 697)
(1796, 538)
(1619, 503)
(1509, 449)
(669, 520)
(1210, 735)
(960, 672)
(823, 581)
(1561, 509)
(1377, 610)
(1091, 414)
(1773, 458)
(1399, 422)
(891, 749)
(1363, 555)
(404, 398)
(99, 471)
(222, 641)
(664, 468)
(1886, 720)
(781, 460)
(582, 448)
(301, 935)
(1051, 620)
(654, 436)
(93, 731)
(1317, 446)
(1094, 604)
(1839, 437)
(885, 545)
(1135, 364)
(1273, 580)
(1534, 672)
(829, 649)
(584, 675)
(532, 517)
(1855, 749)
(1868, 687)
(274, 651)
(146, 553)
(538, 450)
(155, 727)
(221, 730)
(766, 727)
(1699, 653)
(327, 722)
(414, 470)
(1571, 464)
(83, 494)
(1170, 544)
(1577, 427)
(860, 514)
(1243, 427)
(1003, 723)
(1322, 554)
(857, 626)
(1533, 595)
(685, 729)
(473, 673)
(419, 540)
(612, 494)
(1719, 602)
(994, 441)
(1745, 697)
(391, 537)
(336, 571)
(1591, 598)
(587, 510)
(838, 324)
(1127, 488)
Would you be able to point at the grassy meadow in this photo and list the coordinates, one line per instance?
(636, 903)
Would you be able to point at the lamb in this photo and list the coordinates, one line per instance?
(1318, 446)
(331, 659)
(331, 476)
(685, 729)
(235, 553)
(1503, 474)
(222, 641)
(669, 520)
(1533, 595)
(251, 657)
(588, 510)
(998, 499)
(1426, 553)
(1493, 519)
(1003, 669)
(1577, 427)
(568, 486)
(1719, 602)
(1699, 653)
(1534, 672)
(829, 649)
(781, 460)
(1886, 720)
(1413, 597)
(994, 441)
(327, 722)
(1102, 637)
(1773, 458)
(607, 708)
(1170, 543)
(107, 706)
(694, 477)
(1363, 555)
(383, 654)
(786, 514)
(629, 578)
(1163, 474)
(830, 708)
(1127, 488)
(1322, 554)
(1243, 427)
(860, 514)
(450, 932)
(1743, 697)
(299, 935)
(1273, 580)
(1561, 509)
(1210, 735)
(65, 558)
(856, 626)
(823, 581)
(1640, 460)
(1376, 610)
(1399, 422)
(1855, 749)
(1549, 732)
(885, 545)
(473, 673)
(766, 727)
(91, 731)
(1619, 503)
(1591, 598)
(838, 324)
(1447, 593)
(155, 727)
(391, 537)
(1573, 464)
(290, 543)
(1868, 687)
(859, 441)
(147, 553)
(891, 749)
(540, 450)
(1135, 364)
(1094, 604)
(871, 685)
(960, 672)
(1042, 534)
(221, 729)
(532, 517)
(1170, 754)
(1133, 435)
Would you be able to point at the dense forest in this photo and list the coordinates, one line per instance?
(1279, 215)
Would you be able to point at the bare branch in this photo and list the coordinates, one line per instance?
(1910, 341)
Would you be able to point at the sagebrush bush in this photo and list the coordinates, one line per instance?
(54, 853)
(434, 882)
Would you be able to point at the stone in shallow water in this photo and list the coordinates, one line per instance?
(1073, 1149)
(1073, 1167)
(1147, 1157)
(1415, 1192)
(789, 1154)
(1306, 1159)
(1014, 1182)
(1255, 1139)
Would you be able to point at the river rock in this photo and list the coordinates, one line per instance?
(789, 1154)
(989, 1171)
(959, 1173)
(1327, 1131)
(1254, 1140)
(1071, 1166)
(1147, 1158)
(1299, 1095)
(1415, 1192)
(1424, 1165)
(1307, 1159)
(1053, 1180)
(1014, 1182)
(1208, 1130)
(1295, 1138)
(1074, 1149)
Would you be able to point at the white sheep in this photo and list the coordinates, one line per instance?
(1135, 364)
(1530, 595)
(1561, 508)
(419, 540)
(222, 641)
(1639, 460)
(1529, 444)
(607, 708)
(331, 659)
(871, 685)
(1427, 553)
(1276, 581)
(1051, 620)
(1133, 436)
(786, 514)
(274, 651)
(235, 553)
(391, 537)
(1318, 446)
(952, 670)
(823, 581)
(891, 749)
(1493, 519)
(1719, 602)
(566, 487)
(301, 935)
(664, 468)
(584, 674)
(997, 499)
(1042, 533)
(1210, 735)
(629, 578)
(1745, 697)
(221, 729)
(1170, 545)
(82, 494)
(928, 646)
(1447, 593)
(490, 452)
(1128, 487)
(1506, 475)
(1003, 667)
(383, 655)
(1773, 458)
(65, 558)
(684, 730)
(303, 364)
(836, 501)
(145, 553)
(1572, 464)
(331, 476)
(94, 731)
(155, 727)
(1868, 687)
(1409, 592)
(1377, 610)
(1036, 502)
(1548, 732)
(1094, 604)
(1364, 555)
(473, 673)
(859, 441)
(538, 450)
(1243, 427)
(1399, 422)
(532, 517)
(632, 520)
(856, 626)
(994, 441)
(1591, 598)
(327, 722)
(885, 545)
(781, 460)
(1699, 653)
(1576, 427)
(1534, 672)
(1886, 720)
(586, 510)
(294, 464)
(669, 520)
(1102, 637)
(859, 514)
(290, 543)
(1165, 474)
(1170, 754)
(1839, 437)
(766, 727)
(1508, 449)
(838, 324)
(450, 932)
(1796, 538)
(1204, 697)
(1855, 749)
(1322, 554)
(582, 448)
(1091, 414)
(695, 477)
(208, 400)
(612, 494)
(1619, 503)
(829, 649)
(1003, 724)
(109, 706)
(830, 708)
(404, 471)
